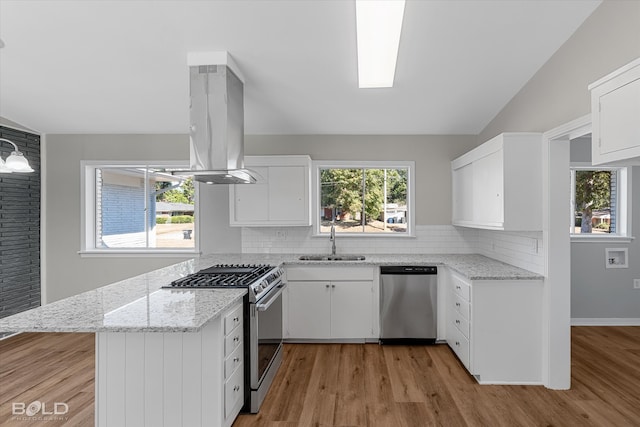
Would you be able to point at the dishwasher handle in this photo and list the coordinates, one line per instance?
(408, 269)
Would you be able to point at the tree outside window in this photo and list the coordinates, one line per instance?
(594, 205)
(364, 200)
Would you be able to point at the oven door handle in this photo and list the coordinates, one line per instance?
(273, 296)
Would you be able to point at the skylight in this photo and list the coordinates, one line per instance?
(379, 23)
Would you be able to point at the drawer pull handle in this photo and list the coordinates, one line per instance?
(236, 319)
(458, 343)
(236, 388)
(236, 339)
(457, 322)
(458, 287)
(457, 304)
(236, 359)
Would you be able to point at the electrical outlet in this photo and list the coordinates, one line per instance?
(636, 283)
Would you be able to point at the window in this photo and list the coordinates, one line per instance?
(364, 198)
(134, 207)
(599, 201)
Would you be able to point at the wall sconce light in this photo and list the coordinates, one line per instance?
(16, 162)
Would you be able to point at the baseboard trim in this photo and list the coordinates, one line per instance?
(607, 321)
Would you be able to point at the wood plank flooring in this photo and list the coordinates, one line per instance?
(48, 367)
(387, 386)
(361, 385)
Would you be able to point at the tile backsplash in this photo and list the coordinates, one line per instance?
(522, 249)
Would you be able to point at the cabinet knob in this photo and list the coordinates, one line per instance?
(457, 304)
(457, 322)
(236, 339)
(458, 343)
(458, 287)
(333, 286)
(236, 319)
(327, 286)
(236, 388)
(236, 359)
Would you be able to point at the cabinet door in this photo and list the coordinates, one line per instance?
(488, 207)
(352, 309)
(463, 194)
(619, 118)
(309, 310)
(287, 193)
(251, 200)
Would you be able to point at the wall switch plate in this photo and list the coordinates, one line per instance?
(636, 283)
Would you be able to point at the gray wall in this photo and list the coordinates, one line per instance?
(557, 93)
(66, 272)
(599, 292)
(432, 154)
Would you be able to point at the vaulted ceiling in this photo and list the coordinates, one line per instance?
(120, 66)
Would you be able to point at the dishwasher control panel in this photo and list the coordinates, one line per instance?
(408, 269)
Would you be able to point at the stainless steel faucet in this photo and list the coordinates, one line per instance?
(332, 237)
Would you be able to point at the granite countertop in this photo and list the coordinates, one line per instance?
(139, 304)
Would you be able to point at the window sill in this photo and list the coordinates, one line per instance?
(601, 239)
(142, 253)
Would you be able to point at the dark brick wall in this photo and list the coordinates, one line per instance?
(20, 227)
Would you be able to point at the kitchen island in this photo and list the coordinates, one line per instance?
(160, 352)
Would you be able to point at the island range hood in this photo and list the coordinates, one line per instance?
(216, 132)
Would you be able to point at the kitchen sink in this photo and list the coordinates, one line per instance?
(332, 258)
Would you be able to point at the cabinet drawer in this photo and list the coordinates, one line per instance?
(233, 392)
(460, 345)
(462, 324)
(232, 319)
(232, 362)
(461, 287)
(232, 341)
(460, 305)
(323, 273)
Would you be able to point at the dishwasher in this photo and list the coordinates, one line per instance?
(408, 304)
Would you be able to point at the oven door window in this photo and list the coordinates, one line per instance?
(269, 335)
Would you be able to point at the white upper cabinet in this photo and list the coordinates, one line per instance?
(498, 185)
(615, 115)
(280, 197)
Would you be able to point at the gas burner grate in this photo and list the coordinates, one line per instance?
(223, 275)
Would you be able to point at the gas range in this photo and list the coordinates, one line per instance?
(258, 278)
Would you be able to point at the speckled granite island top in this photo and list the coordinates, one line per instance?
(139, 304)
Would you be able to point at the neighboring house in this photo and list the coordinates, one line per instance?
(173, 209)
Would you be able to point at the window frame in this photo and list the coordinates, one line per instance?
(364, 164)
(624, 203)
(88, 212)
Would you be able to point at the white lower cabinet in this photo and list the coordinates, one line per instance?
(495, 327)
(330, 303)
(182, 379)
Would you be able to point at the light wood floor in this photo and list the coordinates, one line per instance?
(363, 385)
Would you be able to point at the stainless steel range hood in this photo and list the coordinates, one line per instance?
(217, 126)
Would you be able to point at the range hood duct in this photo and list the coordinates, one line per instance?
(217, 127)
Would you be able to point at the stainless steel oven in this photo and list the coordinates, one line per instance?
(263, 319)
(265, 342)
